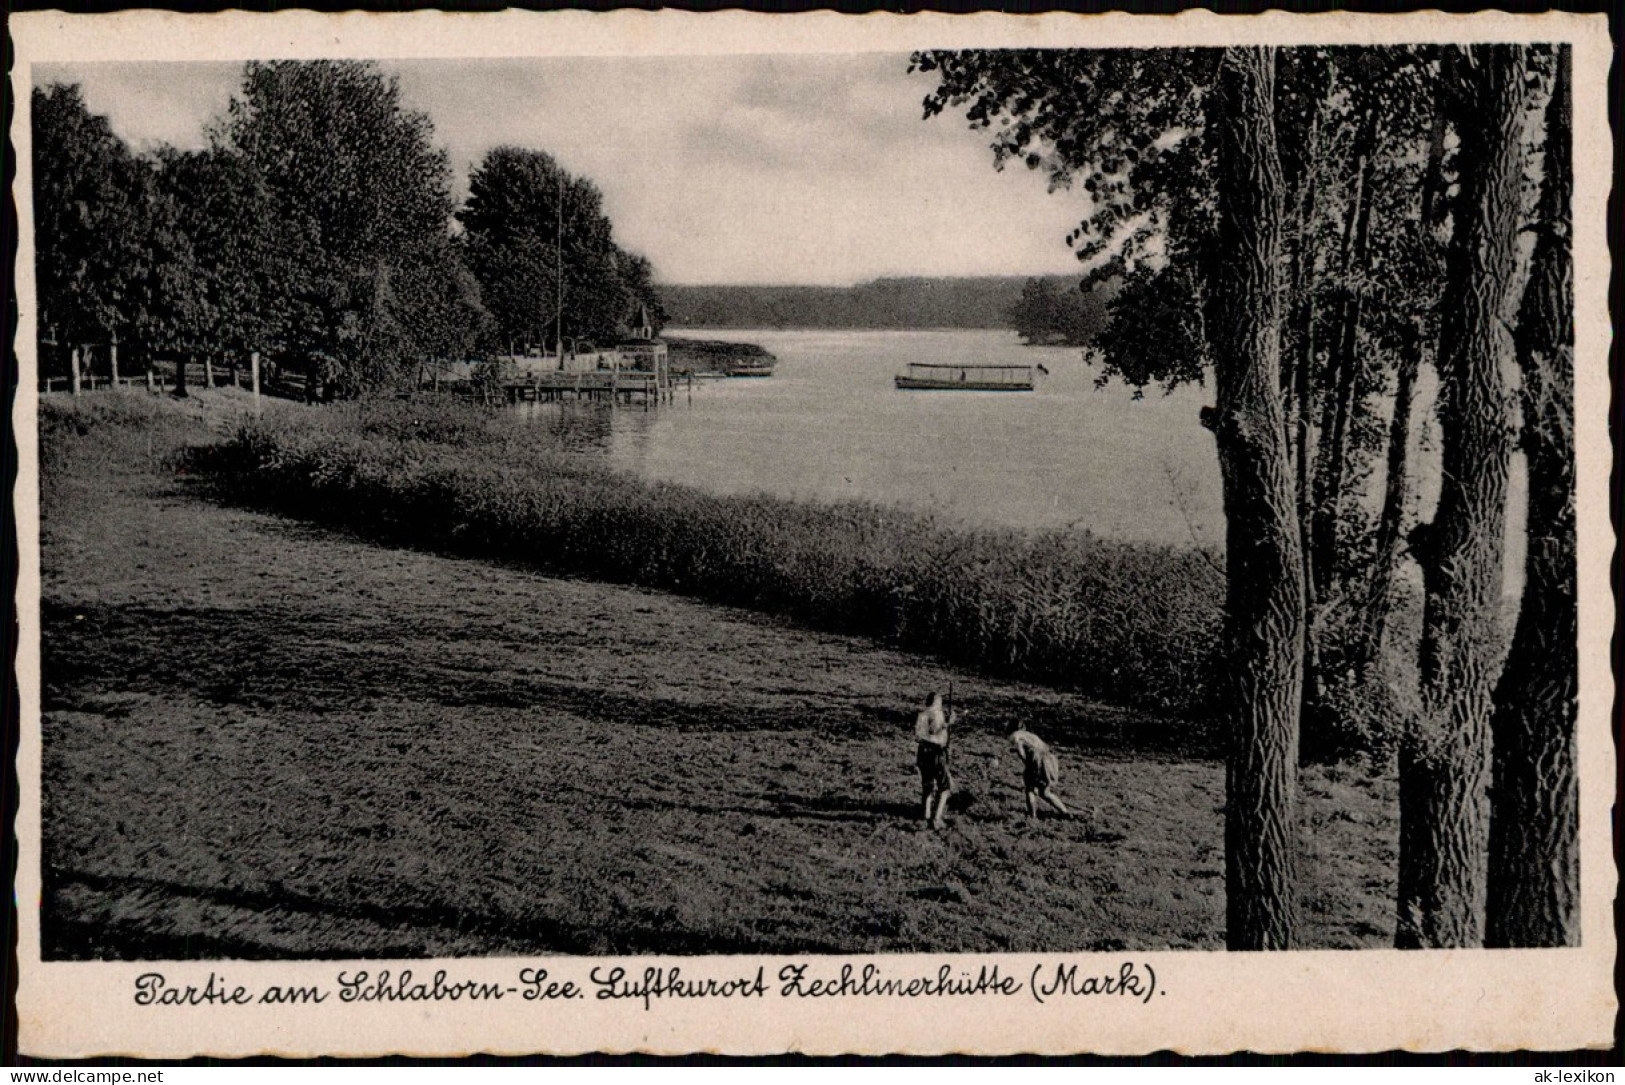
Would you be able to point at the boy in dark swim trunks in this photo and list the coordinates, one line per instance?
(1040, 770)
(931, 754)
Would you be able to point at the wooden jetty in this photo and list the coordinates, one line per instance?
(608, 386)
(967, 378)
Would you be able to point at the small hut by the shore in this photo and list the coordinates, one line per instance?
(643, 351)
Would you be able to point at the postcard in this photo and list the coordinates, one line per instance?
(547, 533)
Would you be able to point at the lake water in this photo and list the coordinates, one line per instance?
(829, 424)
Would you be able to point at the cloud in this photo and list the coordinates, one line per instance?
(785, 169)
(154, 103)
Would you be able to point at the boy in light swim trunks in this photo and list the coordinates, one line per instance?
(1040, 770)
(931, 754)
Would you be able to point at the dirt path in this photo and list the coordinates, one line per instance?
(263, 739)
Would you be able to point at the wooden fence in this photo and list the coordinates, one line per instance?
(209, 375)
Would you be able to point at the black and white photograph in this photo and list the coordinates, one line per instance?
(1058, 505)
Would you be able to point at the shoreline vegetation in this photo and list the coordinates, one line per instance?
(1130, 624)
(715, 356)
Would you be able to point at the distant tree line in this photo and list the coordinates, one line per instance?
(917, 302)
(317, 228)
(1309, 228)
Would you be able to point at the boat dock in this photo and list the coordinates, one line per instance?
(607, 385)
(604, 386)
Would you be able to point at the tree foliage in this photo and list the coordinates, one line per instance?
(1124, 125)
(221, 205)
(538, 238)
(1381, 179)
(317, 229)
(1156, 334)
(359, 201)
(1365, 178)
(1046, 314)
(90, 211)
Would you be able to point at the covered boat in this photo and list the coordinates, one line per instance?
(967, 378)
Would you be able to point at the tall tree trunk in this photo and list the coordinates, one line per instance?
(1265, 598)
(1534, 876)
(1444, 754)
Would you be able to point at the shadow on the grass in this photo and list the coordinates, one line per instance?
(310, 659)
(65, 936)
(842, 807)
(762, 805)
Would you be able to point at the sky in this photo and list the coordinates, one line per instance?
(738, 169)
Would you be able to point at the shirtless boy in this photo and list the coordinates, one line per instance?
(931, 754)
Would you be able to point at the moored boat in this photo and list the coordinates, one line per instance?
(967, 378)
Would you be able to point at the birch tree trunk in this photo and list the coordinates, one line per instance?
(1534, 874)
(1444, 755)
(1264, 609)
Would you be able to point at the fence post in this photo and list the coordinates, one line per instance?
(254, 376)
(208, 371)
(149, 374)
(112, 363)
(74, 357)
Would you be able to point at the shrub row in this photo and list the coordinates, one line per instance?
(1130, 624)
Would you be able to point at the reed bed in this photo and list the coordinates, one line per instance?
(1130, 624)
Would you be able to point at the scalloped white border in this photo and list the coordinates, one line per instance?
(1326, 1001)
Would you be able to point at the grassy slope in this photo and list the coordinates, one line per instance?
(264, 739)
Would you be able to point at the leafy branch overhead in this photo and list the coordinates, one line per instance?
(1396, 182)
(1124, 126)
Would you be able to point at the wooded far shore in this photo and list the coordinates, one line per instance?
(906, 302)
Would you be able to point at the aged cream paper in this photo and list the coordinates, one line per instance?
(1191, 1002)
